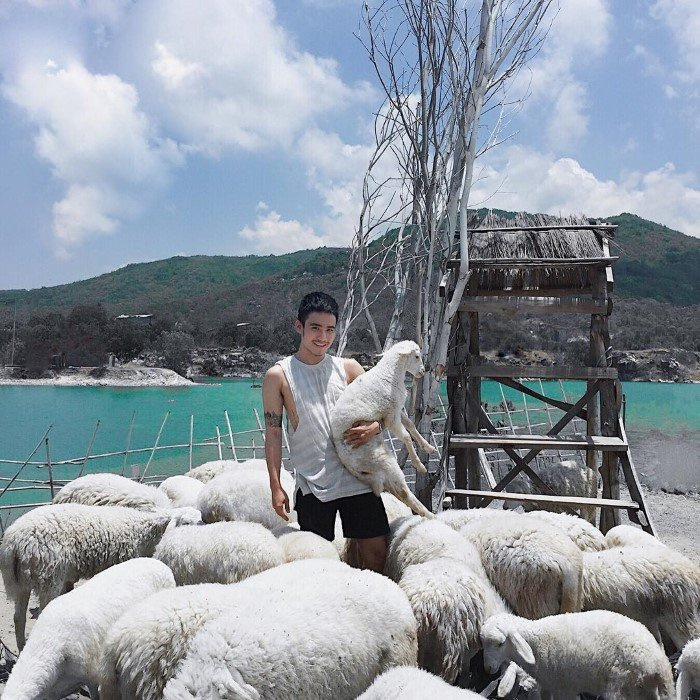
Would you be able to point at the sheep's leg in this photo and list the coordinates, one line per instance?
(21, 604)
(415, 460)
(420, 440)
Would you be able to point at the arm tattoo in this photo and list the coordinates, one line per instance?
(273, 420)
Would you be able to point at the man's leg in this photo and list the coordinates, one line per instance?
(372, 551)
(364, 521)
(315, 515)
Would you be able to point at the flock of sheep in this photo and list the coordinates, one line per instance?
(197, 589)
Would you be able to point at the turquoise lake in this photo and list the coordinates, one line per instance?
(663, 422)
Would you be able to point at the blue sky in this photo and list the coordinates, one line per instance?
(134, 130)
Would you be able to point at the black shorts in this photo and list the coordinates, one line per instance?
(362, 516)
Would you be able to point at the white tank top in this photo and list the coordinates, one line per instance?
(315, 389)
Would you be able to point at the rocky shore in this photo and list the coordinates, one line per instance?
(125, 375)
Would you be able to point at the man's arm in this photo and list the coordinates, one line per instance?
(362, 431)
(272, 406)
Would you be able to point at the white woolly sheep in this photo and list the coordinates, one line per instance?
(565, 478)
(207, 471)
(657, 586)
(297, 544)
(450, 602)
(410, 683)
(414, 540)
(107, 489)
(219, 553)
(597, 652)
(64, 648)
(276, 642)
(380, 394)
(182, 491)
(243, 495)
(630, 536)
(534, 566)
(587, 537)
(146, 644)
(688, 670)
(51, 547)
(456, 518)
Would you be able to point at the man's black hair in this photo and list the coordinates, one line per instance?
(317, 302)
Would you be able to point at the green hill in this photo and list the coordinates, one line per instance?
(655, 262)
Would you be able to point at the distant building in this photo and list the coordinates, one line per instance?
(141, 319)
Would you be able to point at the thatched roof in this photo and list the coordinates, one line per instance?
(515, 243)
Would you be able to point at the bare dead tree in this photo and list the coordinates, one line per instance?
(444, 67)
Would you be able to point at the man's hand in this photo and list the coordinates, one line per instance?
(361, 433)
(280, 502)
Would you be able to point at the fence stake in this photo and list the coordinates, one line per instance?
(87, 454)
(48, 464)
(191, 437)
(128, 442)
(230, 436)
(19, 471)
(218, 441)
(153, 451)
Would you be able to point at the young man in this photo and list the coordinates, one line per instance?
(307, 385)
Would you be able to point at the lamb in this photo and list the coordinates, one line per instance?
(534, 566)
(456, 518)
(566, 478)
(218, 553)
(107, 489)
(585, 536)
(51, 547)
(296, 545)
(279, 641)
(598, 652)
(657, 586)
(628, 535)
(688, 670)
(146, 644)
(410, 683)
(380, 394)
(182, 491)
(243, 495)
(207, 471)
(64, 648)
(450, 602)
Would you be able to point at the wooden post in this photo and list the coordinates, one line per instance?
(48, 464)
(87, 453)
(128, 442)
(602, 414)
(218, 442)
(474, 389)
(191, 437)
(155, 447)
(230, 436)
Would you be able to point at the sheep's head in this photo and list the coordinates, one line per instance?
(503, 643)
(410, 354)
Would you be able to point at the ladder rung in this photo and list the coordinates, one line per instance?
(551, 442)
(538, 498)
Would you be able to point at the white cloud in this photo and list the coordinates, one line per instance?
(273, 234)
(226, 74)
(97, 141)
(540, 182)
(580, 33)
(682, 17)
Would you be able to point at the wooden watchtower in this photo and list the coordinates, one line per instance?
(543, 265)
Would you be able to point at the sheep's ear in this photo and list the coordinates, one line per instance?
(507, 680)
(522, 647)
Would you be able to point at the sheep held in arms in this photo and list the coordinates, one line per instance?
(380, 394)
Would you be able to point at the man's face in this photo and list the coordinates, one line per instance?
(317, 333)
